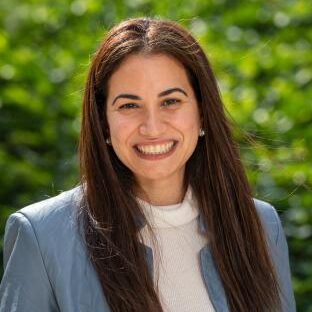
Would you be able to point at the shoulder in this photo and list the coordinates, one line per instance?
(48, 213)
(53, 208)
(50, 222)
(278, 249)
(45, 259)
(269, 218)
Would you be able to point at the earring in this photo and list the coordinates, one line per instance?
(108, 141)
(201, 132)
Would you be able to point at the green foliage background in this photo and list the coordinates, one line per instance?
(261, 54)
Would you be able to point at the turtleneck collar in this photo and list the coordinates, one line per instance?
(171, 215)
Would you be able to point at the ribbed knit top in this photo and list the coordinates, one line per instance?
(181, 285)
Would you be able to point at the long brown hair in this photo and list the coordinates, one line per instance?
(110, 212)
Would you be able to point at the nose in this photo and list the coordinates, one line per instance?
(153, 124)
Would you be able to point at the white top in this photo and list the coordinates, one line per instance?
(181, 285)
(171, 215)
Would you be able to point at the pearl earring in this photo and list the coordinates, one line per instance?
(201, 132)
(108, 141)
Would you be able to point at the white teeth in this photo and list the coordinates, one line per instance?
(155, 149)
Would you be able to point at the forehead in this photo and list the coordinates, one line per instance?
(157, 71)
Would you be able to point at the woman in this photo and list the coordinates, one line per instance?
(164, 218)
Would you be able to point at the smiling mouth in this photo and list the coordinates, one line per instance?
(155, 149)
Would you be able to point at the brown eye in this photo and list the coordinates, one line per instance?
(170, 102)
(128, 106)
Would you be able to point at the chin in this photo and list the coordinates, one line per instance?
(156, 175)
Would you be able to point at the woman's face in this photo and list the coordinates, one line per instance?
(153, 117)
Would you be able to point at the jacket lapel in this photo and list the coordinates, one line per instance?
(213, 281)
(211, 276)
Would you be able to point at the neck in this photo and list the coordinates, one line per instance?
(161, 192)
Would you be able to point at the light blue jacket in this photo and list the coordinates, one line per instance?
(47, 267)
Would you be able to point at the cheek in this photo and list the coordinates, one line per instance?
(188, 121)
(120, 128)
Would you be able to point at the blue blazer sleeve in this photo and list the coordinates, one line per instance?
(281, 258)
(25, 285)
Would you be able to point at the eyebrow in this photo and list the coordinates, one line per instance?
(136, 97)
(168, 91)
(126, 96)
